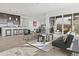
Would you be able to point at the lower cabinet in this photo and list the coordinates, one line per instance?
(15, 32)
(8, 32)
(21, 32)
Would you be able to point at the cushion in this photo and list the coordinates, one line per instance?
(65, 38)
(69, 40)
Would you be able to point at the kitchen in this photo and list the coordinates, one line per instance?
(10, 25)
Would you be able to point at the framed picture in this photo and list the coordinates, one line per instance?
(34, 23)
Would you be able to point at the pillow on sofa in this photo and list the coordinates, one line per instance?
(68, 40)
(65, 38)
(66, 35)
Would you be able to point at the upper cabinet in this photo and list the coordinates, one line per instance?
(3, 18)
(9, 18)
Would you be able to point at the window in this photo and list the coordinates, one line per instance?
(76, 23)
(62, 23)
(67, 26)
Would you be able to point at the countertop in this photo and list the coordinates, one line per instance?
(14, 27)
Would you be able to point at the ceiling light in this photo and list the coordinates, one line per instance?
(16, 19)
(9, 18)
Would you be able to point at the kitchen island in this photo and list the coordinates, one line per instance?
(13, 30)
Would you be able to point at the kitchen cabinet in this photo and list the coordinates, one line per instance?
(3, 18)
(21, 32)
(15, 31)
(8, 32)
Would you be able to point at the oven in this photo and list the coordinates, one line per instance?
(8, 32)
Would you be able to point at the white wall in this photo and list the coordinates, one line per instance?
(24, 21)
(41, 18)
(28, 21)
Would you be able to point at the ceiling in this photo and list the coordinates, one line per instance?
(32, 9)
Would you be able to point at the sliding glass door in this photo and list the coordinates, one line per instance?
(67, 23)
(76, 23)
(52, 24)
(59, 24)
(62, 23)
